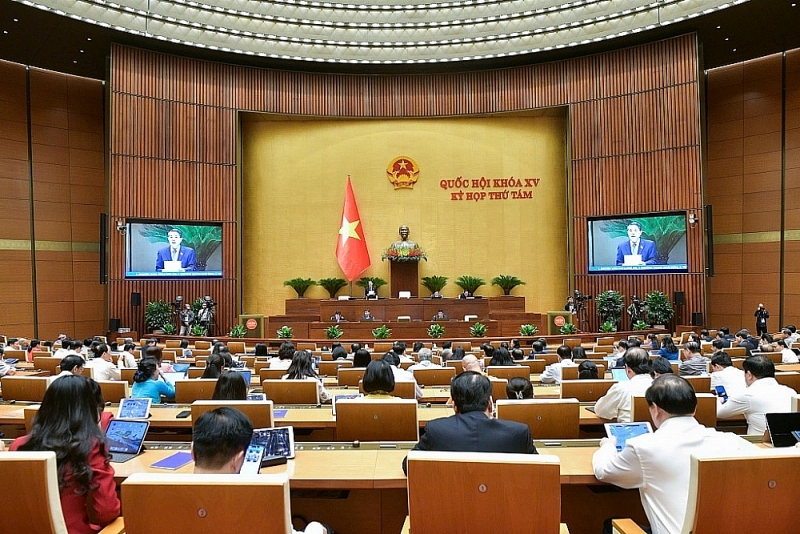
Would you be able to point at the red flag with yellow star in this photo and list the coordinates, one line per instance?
(351, 247)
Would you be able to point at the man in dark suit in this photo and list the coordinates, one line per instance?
(635, 245)
(472, 428)
(175, 252)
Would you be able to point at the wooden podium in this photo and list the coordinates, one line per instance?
(405, 277)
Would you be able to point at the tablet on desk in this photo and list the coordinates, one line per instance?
(277, 441)
(622, 432)
(134, 408)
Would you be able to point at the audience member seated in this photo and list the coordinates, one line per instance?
(231, 386)
(652, 342)
(214, 366)
(578, 353)
(458, 353)
(126, 359)
(361, 358)
(617, 402)
(668, 348)
(148, 382)
(103, 364)
(154, 351)
(744, 339)
(399, 348)
(71, 365)
(519, 388)
(536, 348)
(552, 373)
(284, 358)
(725, 374)
(400, 374)
(660, 366)
(587, 370)
(472, 363)
(787, 354)
(488, 350)
(219, 441)
(694, 363)
(261, 350)
(68, 423)
(303, 369)
(5, 368)
(425, 361)
(762, 395)
(339, 353)
(447, 350)
(378, 381)
(501, 357)
(658, 464)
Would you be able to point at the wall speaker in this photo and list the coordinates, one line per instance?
(697, 319)
(679, 297)
(136, 299)
(113, 324)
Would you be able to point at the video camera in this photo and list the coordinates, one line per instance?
(580, 297)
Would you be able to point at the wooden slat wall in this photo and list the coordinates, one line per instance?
(634, 117)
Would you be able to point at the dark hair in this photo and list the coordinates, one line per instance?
(447, 344)
(668, 345)
(672, 394)
(69, 362)
(692, 346)
(725, 330)
(743, 333)
(471, 392)
(378, 377)
(587, 371)
(515, 344)
(391, 358)
(578, 353)
(623, 343)
(176, 230)
(261, 349)
(214, 366)
(399, 347)
(354, 347)
(637, 224)
(655, 344)
(502, 357)
(458, 353)
(219, 435)
(543, 341)
(128, 347)
(339, 353)
(361, 358)
(760, 366)
(155, 352)
(417, 345)
(722, 359)
(717, 344)
(634, 342)
(98, 396)
(99, 349)
(564, 352)
(517, 354)
(286, 351)
(660, 365)
(301, 366)
(537, 346)
(488, 350)
(147, 368)
(231, 386)
(637, 360)
(67, 424)
(217, 347)
(519, 388)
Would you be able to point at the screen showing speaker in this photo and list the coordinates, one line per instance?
(173, 249)
(638, 243)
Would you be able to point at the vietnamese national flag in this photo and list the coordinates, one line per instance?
(351, 247)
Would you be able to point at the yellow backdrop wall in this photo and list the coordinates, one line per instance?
(294, 174)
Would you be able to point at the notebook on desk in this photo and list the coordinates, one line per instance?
(125, 438)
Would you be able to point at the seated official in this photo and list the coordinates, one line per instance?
(400, 374)
(588, 371)
(617, 402)
(465, 295)
(440, 316)
(501, 357)
(658, 464)
(126, 359)
(231, 386)
(219, 440)
(472, 428)
(660, 366)
(367, 316)
(425, 361)
(215, 366)
(338, 317)
(519, 388)
(725, 374)
(148, 382)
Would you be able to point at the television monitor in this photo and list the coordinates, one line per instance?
(638, 243)
(171, 249)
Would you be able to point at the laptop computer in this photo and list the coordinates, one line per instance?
(125, 438)
(781, 426)
(134, 408)
(172, 377)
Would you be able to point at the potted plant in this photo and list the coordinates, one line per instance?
(332, 285)
(237, 330)
(198, 331)
(507, 282)
(382, 332)
(609, 306)
(640, 325)
(285, 332)
(470, 283)
(435, 331)
(658, 308)
(333, 332)
(568, 329)
(300, 285)
(434, 283)
(607, 327)
(528, 330)
(168, 329)
(377, 282)
(157, 313)
(477, 330)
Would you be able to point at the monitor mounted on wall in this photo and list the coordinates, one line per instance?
(173, 249)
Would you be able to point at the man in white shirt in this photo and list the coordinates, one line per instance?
(787, 354)
(399, 348)
(658, 464)
(103, 366)
(6, 369)
(400, 374)
(617, 402)
(70, 365)
(425, 361)
(126, 358)
(762, 395)
(552, 373)
(723, 373)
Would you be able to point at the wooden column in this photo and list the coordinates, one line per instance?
(405, 277)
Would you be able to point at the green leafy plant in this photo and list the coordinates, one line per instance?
(157, 313)
(434, 283)
(470, 283)
(205, 240)
(333, 332)
(609, 306)
(665, 231)
(640, 325)
(198, 330)
(285, 332)
(300, 285)
(377, 282)
(435, 331)
(382, 332)
(528, 330)
(196, 305)
(608, 326)
(168, 328)
(238, 330)
(332, 285)
(477, 330)
(568, 329)
(658, 308)
(507, 282)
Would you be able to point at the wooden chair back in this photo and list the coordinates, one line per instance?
(548, 358)
(509, 371)
(169, 355)
(377, 420)
(571, 373)
(534, 366)
(267, 373)
(736, 352)
(195, 372)
(200, 501)
(605, 349)
(437, 376)
(701, 384)
(382, 347)
(466, 345)
(249, 361)
(499, 388)
(39, 508)
(259, 412)
(547, 418)
(572, 342)
(114, 390)
(305, 345)
(126, 375)
(331, 368)
(291, 391)
(187, 391)
(45, 363)
(350, 377)
(760, 476)
(237, 347)
(605, 341)
(402, 390)
(790, 378)
(201, 353)
(476, 483)
(456, 364)
(24, 388)
(585, 390)
(202, 345)
(29, 413)
(172, 343)
(706, 413)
